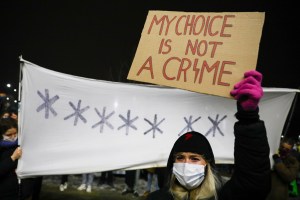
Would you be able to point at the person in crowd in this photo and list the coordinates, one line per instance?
(191, 167)
(131, 177)
(285, 170)
(151, 179)
(106, 180)
(87, 182)
(31, 188)
(9, 155)
(298, 150)
(63, 183)
(14, 114)
(28, 188)
(2, 102)
(9, 113)
(161, 173)
(5, 114)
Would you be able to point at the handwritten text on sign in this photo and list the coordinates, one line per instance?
(202, 52)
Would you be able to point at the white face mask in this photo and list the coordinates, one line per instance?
(10, 139)
(189, 176)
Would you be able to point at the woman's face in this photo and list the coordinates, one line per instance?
(10, 134)
(191, 158)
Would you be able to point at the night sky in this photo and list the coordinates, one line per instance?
(98, 39)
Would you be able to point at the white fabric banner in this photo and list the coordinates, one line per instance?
(74, 125)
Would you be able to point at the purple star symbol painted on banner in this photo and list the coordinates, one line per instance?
(189, 124)
(215, 125)
(77, 112)
(104, 119)
(47, 105)
(128, 123)
(154, 125)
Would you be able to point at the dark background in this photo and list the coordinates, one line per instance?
(98, 39)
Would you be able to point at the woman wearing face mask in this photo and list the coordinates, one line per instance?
(191, 172)
(9, 155)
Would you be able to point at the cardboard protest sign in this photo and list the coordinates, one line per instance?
(201, 52)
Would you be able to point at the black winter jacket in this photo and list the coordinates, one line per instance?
(9, 187)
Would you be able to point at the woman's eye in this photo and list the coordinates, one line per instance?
(180, 157)
(195, 159)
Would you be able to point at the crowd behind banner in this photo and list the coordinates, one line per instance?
(32, 186)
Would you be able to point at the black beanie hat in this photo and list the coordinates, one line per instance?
(192, 142)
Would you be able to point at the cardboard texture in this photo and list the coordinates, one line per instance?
(201, 52)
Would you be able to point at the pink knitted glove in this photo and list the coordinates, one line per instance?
(248, 91)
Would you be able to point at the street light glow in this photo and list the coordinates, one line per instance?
(8, 85)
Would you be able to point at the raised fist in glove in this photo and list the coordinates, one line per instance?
(248, 91)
